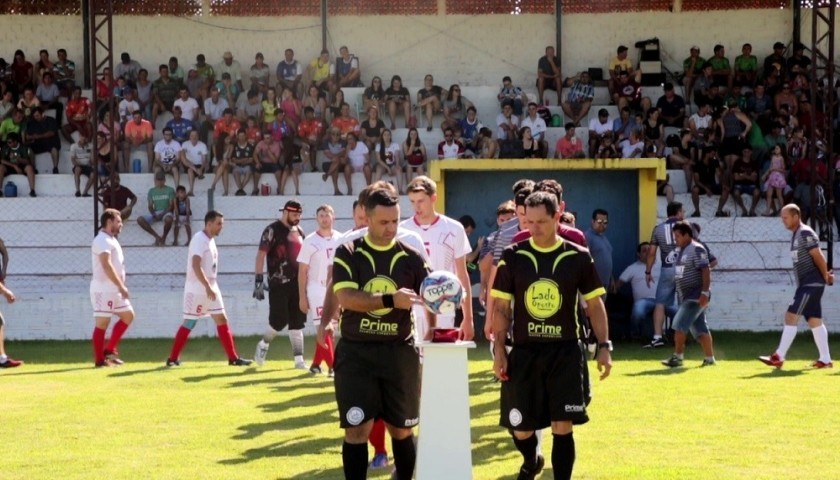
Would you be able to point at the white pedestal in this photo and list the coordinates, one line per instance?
(445, 447)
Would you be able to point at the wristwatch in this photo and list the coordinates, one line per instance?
(606, 345)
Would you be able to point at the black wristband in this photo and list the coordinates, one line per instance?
(258, 279)
(647, 272)
(388, 300)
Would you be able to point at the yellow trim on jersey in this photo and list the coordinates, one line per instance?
(369, 257)
(394, 260)
(561, 257)
(548, 249)
(500, 294)
(501, 262)
(342, 285)
(377, 247)
(594, 293)
(530, 256)
(346, 267)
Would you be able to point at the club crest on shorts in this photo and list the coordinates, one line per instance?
(515, 417)
(355, 416)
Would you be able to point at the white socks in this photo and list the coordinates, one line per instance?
(539, 435)
(296, 339)
(821, 339)
(788, 334)
(269, 335)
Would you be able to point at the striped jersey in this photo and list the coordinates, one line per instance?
(663, 237)
(688, 274)
(803, 241)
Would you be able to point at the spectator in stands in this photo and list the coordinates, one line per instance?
(161, 201)
(28, 102)
(569, 145)
(653, 133)
(267, 155)
(398, 96)
(703, 83)
(735, 95)
(671, 107)
(644, 293)
(548, 75)
(18, 159)
(746, 67)
(189, 106)
(619, 63)
(128, 69)
(6, 104)
(41, 135)
(310, 135)
(600, 248)
(48, 95)
(759, 105)
(450, 147)
(358, 160)
(291, 165)
(487, 147)
(80, 158)
(206, 72)
(79, 115)
(224, 132)
(42, 66)
(260, 74)
(106, 125)
(228, 88)
(387, 158)
(734, 127)
(14, 123)
(529, 147)
(538, 127)
(374, 95)
(168, 156)
(347, 73)
(507, 124)
(290, 72)
(249, 104)
(182, 214)
(138, 134)
(470, 126)
(127, 106)
(683, 156)
(700, 122)
(214, 109)
(176, 72)
(345, 123)
(144, 93)
(745, 181)
(195, 85)
(775, 137)
(707, 176)
(624, 124)
(598, 127)
(607, 149)
(23, 73)
(430, 99)
(241, 161)
(775, 63)
(415, 154)
(802, 178)
(118, 197)
(512, 93)
(319, 71)
(283, 132)
(579, 99)
(455, 107)
(774, 182)
(232, 68)
(788, 98)
(371, 129)
(65, 73)
(335, 150)
(721, 70)
(335, 105)
(628, 92)
(180, 126)
(194, 159)
(798, 61)
(633, 146)
(164, 92)
(315, 100)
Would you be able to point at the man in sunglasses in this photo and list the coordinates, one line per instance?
(600, 247)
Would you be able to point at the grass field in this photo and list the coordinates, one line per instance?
(61, 418)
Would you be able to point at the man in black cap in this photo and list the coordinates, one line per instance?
(776, 61)
(279, 247)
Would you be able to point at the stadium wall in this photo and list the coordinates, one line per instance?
(471, 50)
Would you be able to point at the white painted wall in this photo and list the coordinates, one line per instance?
(471, 50)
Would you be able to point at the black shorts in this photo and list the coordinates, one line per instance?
(284, 307)
(269, 168)
(807, 301)
(548, 383)
(377, 380)
(44, 146)
(86, 170)
(731, 146)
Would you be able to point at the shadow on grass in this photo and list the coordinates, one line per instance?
(235, 373)
(282, 449)
(775, 373)
(314, 399)
(329, 473)
(21, 371)
(664, 371)
(131, 373)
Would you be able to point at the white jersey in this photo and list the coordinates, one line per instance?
(406, 236)
(444, 240)
(168, 151)
(317, 252)
(105, 243)
(204, 247)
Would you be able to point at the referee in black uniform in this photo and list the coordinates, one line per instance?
(543, 380)
(377, 280)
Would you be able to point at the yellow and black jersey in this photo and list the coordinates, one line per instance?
(364, 266)
(543, 284)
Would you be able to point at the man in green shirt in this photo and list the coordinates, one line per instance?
(746, 67)
(12, 124)
(17, 159)
(721, 71)
(692, 67)
(161, 200)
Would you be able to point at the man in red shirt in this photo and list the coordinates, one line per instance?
(310, 132)
(224, 130)
(138, 133)
(569, 146)
(78, 113)
(345, 123)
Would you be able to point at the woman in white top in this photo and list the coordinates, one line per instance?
(358, 160)
(388, 160)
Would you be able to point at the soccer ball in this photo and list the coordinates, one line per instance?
(441, 292)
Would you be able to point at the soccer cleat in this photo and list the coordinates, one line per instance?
(655, 343)
(708, 363)
(821, 364)
(529, 473)
(113, 357)
(240, 362)
(301, 365)
(380, 460)
(173, 362)
(315, 370)
(673, 362)
(773, 360)
(11, 363)
(103, 364)
(261, 353)
(331, 373)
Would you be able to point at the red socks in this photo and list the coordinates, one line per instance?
(180, 340)
(226, 337)
(116, 335)
(324, 354)
(98, 345)
(377, 437)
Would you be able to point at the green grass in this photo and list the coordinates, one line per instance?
(61, 418)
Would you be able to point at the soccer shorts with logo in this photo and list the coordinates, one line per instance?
(315, 295)
(197, 304)
(284, 307)
(377, 380)
(106, 304)
(547, 384)
(807, 301)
